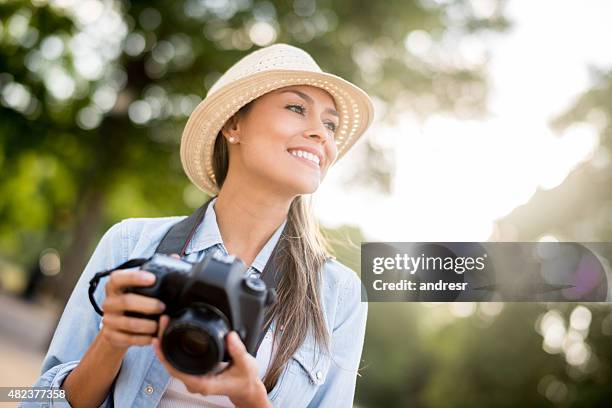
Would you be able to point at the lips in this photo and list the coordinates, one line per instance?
(306, 158)
(310, 153)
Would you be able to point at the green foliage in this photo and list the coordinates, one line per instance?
(420, 355)
(346, 245)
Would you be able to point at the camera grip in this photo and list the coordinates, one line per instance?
(138, 315)
(148, 291)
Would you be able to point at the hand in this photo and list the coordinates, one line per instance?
(239, 381)
(122, 331)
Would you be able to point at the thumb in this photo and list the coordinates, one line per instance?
(175, 256)
(237, 349)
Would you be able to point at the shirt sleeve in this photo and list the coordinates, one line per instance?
(346, 346)
(79, 323)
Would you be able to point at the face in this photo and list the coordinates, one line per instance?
(285, 139)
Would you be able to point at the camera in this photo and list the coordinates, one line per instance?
(205, 301)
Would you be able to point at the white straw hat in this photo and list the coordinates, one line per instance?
(258, 73)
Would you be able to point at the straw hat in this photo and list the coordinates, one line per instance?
(258, 73)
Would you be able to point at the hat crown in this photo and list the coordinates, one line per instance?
(271, 58)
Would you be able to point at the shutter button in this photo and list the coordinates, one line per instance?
(149, 390)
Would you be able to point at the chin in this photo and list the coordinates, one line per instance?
(304, 186)
(310, 190)
(294, 182)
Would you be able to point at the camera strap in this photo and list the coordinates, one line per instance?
(179, 236)
(93, 283)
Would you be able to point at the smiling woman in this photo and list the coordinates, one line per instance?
(285, 136)
(260, 144)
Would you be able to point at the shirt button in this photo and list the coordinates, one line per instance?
(149, 389)
(319, 375)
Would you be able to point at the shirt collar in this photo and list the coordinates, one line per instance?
(208, 235)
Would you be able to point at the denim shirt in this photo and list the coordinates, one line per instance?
(311, 378)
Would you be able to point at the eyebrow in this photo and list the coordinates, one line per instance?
(309, 100)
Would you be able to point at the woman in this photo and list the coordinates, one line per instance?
(262, 141)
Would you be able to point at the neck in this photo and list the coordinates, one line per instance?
(247, 218)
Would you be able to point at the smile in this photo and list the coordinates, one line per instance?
(306, 156)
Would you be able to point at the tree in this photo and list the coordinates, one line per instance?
(579, 209)
(95, 94)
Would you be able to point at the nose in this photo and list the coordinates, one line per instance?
(317, 132)
(321, 134)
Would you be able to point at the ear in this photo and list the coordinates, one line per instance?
(231, 127)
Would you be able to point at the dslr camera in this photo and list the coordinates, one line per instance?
(205, 301)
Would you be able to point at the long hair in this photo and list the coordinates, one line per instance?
(298, 310)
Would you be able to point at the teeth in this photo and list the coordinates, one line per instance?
(306, 155)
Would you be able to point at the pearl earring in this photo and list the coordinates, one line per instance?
(232, 139)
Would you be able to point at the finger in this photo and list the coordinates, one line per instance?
(210, 385)
(221, 367)
(163, 323)
(130, 324)
(125, 340)
(133, 303)
(121, 279)
(160, 355)
(175, 256)
(203, 384)
(186, 378)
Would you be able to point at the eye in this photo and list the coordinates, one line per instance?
(299, 109)
(331, 126)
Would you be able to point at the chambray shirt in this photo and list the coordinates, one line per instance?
(311, 378)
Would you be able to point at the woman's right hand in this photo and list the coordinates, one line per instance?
(122, 331)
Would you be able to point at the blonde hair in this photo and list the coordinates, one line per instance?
(299, 310)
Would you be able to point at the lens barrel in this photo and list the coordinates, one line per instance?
(194, 340)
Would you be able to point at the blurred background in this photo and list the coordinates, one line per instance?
(493, 123)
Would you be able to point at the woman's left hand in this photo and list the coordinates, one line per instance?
(239, 381)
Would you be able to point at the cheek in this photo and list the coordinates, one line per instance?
(263, 134)
(274, 132)
(261, 152)
(331, 150)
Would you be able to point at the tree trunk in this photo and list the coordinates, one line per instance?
(85, 229)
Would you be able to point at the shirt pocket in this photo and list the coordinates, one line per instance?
(308, 371)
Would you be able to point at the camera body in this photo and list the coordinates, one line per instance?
(205, 301)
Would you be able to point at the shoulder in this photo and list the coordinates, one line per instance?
(139, 236)
(137, 227)
(336, 274)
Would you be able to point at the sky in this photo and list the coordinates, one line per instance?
(453, 177)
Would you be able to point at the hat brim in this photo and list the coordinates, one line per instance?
(197, 143)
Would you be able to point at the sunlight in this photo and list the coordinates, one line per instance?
(454, 178)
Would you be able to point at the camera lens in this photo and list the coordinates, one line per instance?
(194, 340)
(195, 343)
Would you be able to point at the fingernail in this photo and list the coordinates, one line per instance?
(161, 306)
(147, 277)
